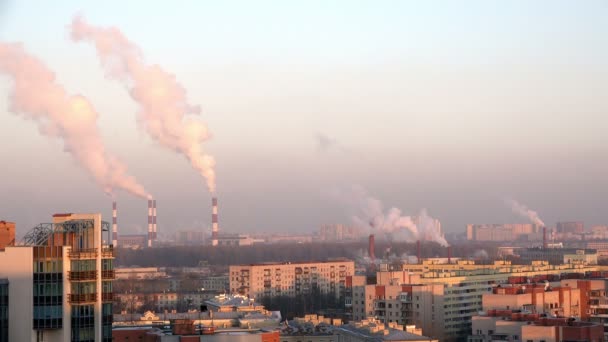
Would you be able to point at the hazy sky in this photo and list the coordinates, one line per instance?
(446, 105)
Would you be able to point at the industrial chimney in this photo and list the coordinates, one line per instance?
(149, 223)
(114, 225)
(372, 248)
(214, 224)
(154, 237)
(418, 251)
(449, 254)
(544, 237)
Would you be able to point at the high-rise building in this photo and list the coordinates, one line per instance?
(291, 278)
(59, 282)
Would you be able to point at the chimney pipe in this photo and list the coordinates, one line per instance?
(149, 223)
(214, 223)
(418, 251)
(154, 220)
(544, 237)
(449, 254)
(114, 225)
(372, 247)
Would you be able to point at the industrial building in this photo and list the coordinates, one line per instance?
(290, 278)
(58, 282)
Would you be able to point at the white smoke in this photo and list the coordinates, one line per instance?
(163, 101)
(523, 211)
(481, 254)
(368, 213)
(71, 118)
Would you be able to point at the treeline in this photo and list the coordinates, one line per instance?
(221, 255)
(300, 305)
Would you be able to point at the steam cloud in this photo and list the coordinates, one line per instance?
(71, 118)
(369, 213)
(523, 211)
(162, 99)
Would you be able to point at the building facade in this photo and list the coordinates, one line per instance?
(291, 279)
(60, 281)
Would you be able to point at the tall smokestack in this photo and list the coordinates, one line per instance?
(154, 237)
(544, 237)
(149, 223)
(114, 225)
(372, 247)
(449, 254)
(418, 251)
(214, 224)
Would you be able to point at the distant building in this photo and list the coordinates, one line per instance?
(133, 240)
(59, 282)
(339, 232)
(139, 273)
(7, 234)
(290, 279)
(236, 240)
(189, 237)
(558, 256)
(570, 227)
(504, 232)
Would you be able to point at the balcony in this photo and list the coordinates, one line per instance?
(82, 275)
(107, 252)
(108, 274)
(107, 297)
(82, 298)
(90, 253)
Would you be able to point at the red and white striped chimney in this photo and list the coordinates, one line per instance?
(154, 220)
(114, 225)
(214, 223)
(149, 223)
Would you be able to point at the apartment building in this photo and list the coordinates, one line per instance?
(291, 278)
(441, 298)
(504, 232)
(58, 282)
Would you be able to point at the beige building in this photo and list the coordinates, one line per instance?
(438, 297)
(59, 281)
(504, 232)
(290, 278)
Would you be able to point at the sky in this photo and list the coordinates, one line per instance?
(451, 106)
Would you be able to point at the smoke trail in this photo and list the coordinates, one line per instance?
(162, 99)
(523, 211)
(369, 213)
(37, 96)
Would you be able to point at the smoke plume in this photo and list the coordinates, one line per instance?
(523, 211)
(36, 96)
(162, 99)
(369, 214)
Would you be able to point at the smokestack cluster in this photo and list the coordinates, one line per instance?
(114, 225)
(37, 96)
(214, 222)
(395, 225)
(372, 248)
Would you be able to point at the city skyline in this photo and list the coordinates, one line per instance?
(427, 106)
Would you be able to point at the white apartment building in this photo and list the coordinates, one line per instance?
(290, 278)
